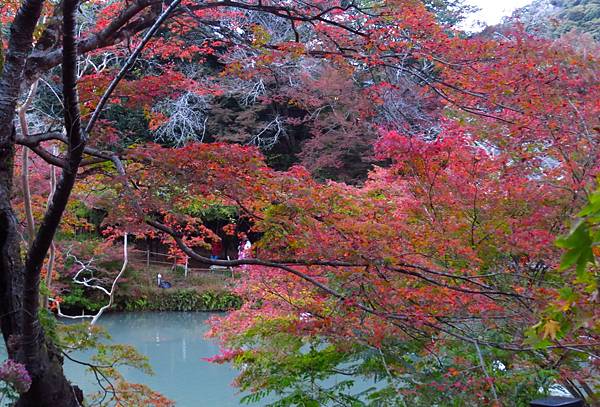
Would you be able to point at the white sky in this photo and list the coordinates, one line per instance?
(492, 11)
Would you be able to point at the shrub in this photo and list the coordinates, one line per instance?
(79, 298)
(181, 300)
(14, 380)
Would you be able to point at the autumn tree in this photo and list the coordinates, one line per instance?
(447, 255)
(488, 146)
(34, 47)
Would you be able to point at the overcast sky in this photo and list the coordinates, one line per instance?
(492, 11)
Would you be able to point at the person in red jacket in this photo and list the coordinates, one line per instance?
(216, 250)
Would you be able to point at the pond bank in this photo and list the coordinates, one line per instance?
(185, 299)
(137, 291)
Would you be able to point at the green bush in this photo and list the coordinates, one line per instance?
(181, 300)
(80, 299)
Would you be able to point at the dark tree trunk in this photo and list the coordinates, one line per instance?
(11, 267)
(49, 386)
(51, 389)
(19, 284)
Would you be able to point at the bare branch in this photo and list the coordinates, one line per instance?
(25, 164)
(187, 119)
(88, 282)
(270, 135)
(128, 64)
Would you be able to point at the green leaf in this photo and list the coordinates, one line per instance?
(579, 248)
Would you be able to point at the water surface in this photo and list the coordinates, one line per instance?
(175, 344)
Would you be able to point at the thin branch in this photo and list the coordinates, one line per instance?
(84, 266)
(52, 256)
(128, 64)
(25, 163)
(485, 372)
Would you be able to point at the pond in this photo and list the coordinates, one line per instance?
(175, 344)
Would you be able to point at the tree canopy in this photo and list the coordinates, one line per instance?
(404, 184)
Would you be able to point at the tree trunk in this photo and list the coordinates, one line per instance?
(11, 267)
(49, 386)
(52, 389)
(25, 165)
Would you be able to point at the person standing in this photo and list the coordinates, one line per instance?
(216, 249)
(244, 248)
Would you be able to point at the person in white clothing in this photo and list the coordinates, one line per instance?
(244, 248)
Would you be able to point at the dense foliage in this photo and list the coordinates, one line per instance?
(554, 18)
(404, 186)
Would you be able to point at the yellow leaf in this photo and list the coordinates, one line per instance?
(551, 327)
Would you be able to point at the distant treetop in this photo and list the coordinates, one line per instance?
(556, 17)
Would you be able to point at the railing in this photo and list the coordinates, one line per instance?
(148, 258)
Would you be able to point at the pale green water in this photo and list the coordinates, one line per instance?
(175, 344)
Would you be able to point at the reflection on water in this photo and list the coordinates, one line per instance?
(175, 344)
